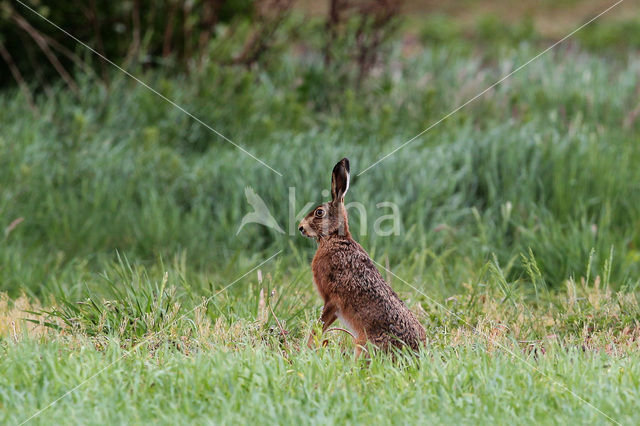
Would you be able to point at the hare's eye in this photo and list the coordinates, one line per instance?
(320, 213)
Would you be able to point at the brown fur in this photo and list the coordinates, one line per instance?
(349, 283)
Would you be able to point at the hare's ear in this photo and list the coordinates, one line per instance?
(340, 180)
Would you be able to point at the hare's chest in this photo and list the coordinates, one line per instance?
(322, 278)
(322, 286)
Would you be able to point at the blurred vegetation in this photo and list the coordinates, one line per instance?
(616, 35)
(147, 32)
(545, 162)
(176, 35)
(119, 214)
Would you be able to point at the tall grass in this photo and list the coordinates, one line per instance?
(468, 385)
(545, 161)
(518, 244)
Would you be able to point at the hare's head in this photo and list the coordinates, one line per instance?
(330, 218)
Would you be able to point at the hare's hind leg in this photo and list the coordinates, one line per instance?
(327, 318)
(361, 342)
(361, 345)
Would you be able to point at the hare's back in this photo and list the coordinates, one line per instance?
(360, 284)
(367, 300)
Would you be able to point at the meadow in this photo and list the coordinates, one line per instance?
(125, 282)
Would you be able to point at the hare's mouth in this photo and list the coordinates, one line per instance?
(305, 233)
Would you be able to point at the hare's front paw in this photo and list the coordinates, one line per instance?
(311, 341)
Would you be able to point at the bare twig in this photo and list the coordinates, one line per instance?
(207, 23)
(134, 49)
(92, 13)
(36, 67)
(15, 333)
(186, 29)
(261, 315)
(283, 332)
(374, 23)
(168, 30)
(68, 53)
(17, 76)
(13, 225)
(270, 14)
(376, 19)
(44, 46)
(334, 17)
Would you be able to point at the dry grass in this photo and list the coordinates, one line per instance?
(551, 19)
(14, 316)
(589, 318)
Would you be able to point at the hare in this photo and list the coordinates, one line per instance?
(349, 283)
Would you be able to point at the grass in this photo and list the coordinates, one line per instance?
(519, 233)
(487, 360)
(248, 385)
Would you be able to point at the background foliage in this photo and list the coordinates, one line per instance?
(519, 239)
(543, 163)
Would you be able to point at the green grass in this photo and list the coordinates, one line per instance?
(489, 358)
(520, 230)
(256, 385)
(135, 175)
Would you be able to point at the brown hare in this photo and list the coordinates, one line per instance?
(349, 283)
